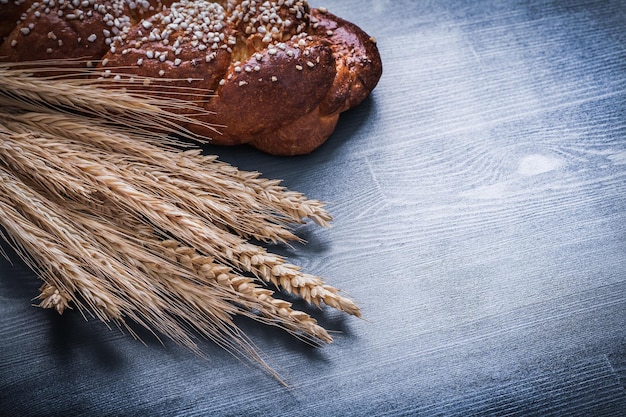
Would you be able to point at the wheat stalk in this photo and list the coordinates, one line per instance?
(89, 96)
(210, 195)
(135, 194)
(111, 286)
(121, 223)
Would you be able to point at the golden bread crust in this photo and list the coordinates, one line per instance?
(275, 75)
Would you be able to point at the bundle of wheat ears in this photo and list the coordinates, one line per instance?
(98, 197)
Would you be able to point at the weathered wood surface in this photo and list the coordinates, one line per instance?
(480, 205)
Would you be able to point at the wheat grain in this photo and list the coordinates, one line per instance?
(118, 221)
(41, 250)
(186, 266)
(250, 216)
(88, 96)
(135, 194)
(246, 290)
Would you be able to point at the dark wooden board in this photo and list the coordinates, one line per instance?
(479, 198)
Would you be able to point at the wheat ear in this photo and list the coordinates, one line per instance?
(123, 188)
(89, 96)
(118, 221)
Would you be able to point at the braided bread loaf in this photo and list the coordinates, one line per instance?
(273, 74)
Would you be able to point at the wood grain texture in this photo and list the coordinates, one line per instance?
(479, 198)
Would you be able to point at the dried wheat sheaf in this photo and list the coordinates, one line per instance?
(120, 222)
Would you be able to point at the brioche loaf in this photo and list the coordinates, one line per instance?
(272, 74)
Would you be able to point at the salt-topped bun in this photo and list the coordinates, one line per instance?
(273, 74)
